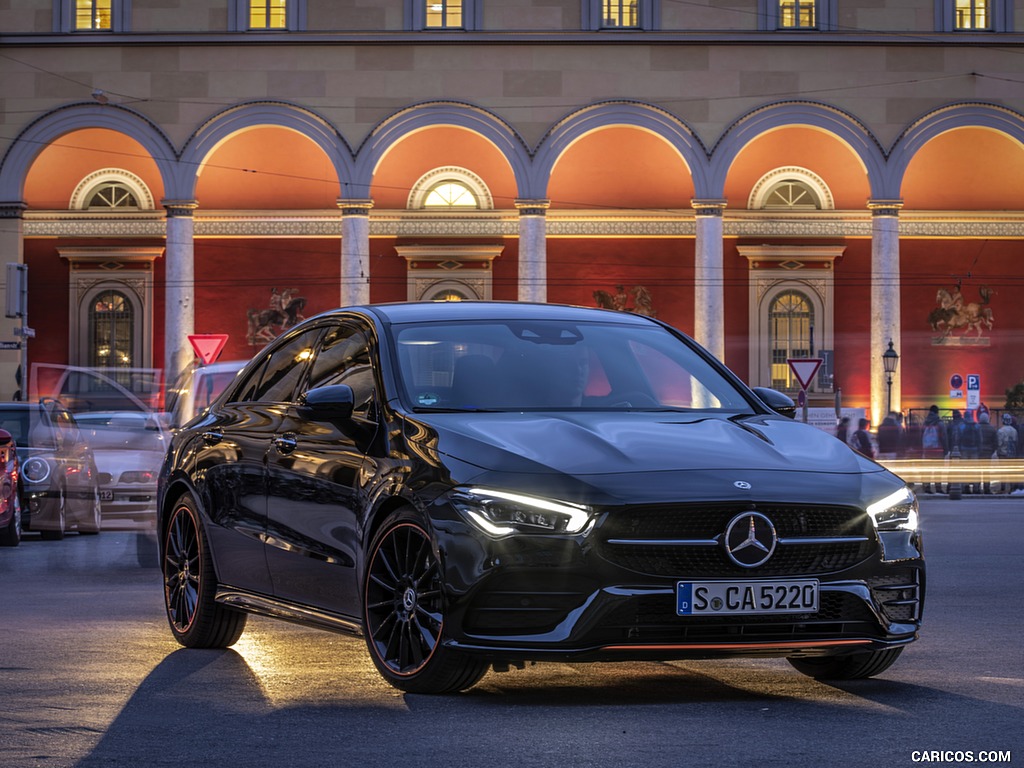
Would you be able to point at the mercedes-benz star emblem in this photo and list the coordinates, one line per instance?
(750, 539)
(743, 485)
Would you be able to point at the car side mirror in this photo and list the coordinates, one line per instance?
(335, 401)
(780, 403)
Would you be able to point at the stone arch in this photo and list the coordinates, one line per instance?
(48, 128)
(221, 127)
(843, 126)
(620, 114)
(418, 117)
(949, 118)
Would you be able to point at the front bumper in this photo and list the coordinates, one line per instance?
(128, 502)
(582, 598)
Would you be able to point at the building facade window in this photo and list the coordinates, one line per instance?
(781, 15)
(790, 189)
(266, 15)
(111, 188)
(91, 15)
(790, 318)
(792, 299)
(798, 14)
(620, 14)
(971, 14)
(974, 15)
(442, 14)
(452, 188)
(111, 332)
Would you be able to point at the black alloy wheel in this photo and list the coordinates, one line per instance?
(196, 619)
(404, 613)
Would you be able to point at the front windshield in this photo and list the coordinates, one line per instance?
(554, 365)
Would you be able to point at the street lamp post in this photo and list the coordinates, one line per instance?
(889, 361)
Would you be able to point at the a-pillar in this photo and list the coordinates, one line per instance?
(180, 289)
(12, 247)
(533, 250)
(355, 251)
(708, 277)
(885, 302)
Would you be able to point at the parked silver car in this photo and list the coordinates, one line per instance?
(128, 447)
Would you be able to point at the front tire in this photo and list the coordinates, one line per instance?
(404, 612)
(94, 524)
(56, 534)
(190, 585)
(855, 666)
(10, 536)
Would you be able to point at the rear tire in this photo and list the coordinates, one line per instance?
(190, 584)
(404, 612)
(855, 666)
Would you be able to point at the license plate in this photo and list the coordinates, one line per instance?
(106, 495)
(717, 598)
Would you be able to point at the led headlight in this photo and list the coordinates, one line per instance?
(36, 470)
(500, 513)
(896, 512)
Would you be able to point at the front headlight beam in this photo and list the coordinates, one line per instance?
(503, 513)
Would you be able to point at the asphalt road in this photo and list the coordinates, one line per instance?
(90, 676)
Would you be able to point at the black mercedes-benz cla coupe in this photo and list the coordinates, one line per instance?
(474, 485)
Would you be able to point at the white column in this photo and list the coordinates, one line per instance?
(533, 250)
(355, 251)
(708, 277)
(179, 291)
(12, 246)
(885, 302)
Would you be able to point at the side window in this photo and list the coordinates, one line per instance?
(344, 358)
(284, 370)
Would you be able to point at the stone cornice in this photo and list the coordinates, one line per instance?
(505, 223)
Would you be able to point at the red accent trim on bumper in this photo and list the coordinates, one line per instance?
(735, 646)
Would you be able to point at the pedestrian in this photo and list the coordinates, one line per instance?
(986, 446)
(1006, 447)
(889, 438)
(953, 434)
(933, 445)
(968, 440)
(843, 429)
(860, 440)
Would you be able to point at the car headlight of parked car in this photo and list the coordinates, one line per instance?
(36, 470)
(898, 524)
(501, 513)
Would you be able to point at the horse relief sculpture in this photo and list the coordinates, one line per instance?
(620, 300)
(954, 315)
(285, 311)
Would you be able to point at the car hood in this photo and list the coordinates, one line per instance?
(609, 451)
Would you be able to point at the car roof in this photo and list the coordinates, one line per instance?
(439, 311)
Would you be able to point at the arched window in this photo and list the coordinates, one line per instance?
(791, 318)
(111, 331)
(790, 189)
(450, 194)
(111, 188)
(112, 195)
(450, 188)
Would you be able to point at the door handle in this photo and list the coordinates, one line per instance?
(212, 437)
(285, 443)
